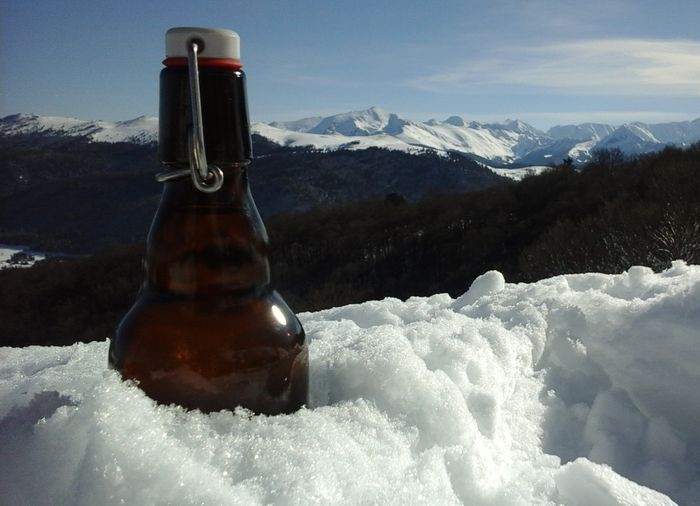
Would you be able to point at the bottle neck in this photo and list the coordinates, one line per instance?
(224, 108)
(235, 190)
(208, 243)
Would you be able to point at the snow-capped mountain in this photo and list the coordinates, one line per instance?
(631, 138)
(375, 127)
(373, 121)
(510, 142)
(141, 130)
(582, 132)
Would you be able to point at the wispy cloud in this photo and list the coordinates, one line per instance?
(633, 67)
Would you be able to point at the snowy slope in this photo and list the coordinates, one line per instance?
(500, 143)
(631, 138)
(292, 138)
(520, 173)
(373, 121)
(512, 141)
(682, 133)
(142, 130)
(299, 125)
(575, 390)
(376, 127)
(582, 132)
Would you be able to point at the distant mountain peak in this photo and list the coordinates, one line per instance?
(138, 120)
(455, 121)
(142, 130)
(512, 141)
(370, 121)
(376, 110)
(631, 137)
(516, 123)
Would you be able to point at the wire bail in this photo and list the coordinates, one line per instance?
(206, 178)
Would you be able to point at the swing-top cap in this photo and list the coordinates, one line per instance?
(216, 43)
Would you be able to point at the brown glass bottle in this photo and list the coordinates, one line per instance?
(208, 331)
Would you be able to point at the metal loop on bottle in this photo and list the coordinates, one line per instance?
(206, 178)
(214, 176)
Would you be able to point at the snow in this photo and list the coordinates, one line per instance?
(583, 150)
(582, 132)
(520, 173)
(482, 142)
(511, 141)
(332, 141)
(506, 142)
(299, 125)
(630, 138)
(375, 127)
(583, 483)
(681, 133)
(360, 123)
(575, 390)
(141, 130)
(7, 250)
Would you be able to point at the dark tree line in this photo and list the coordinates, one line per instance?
(613, 214)
(648, 214)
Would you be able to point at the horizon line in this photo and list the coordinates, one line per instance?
(423, 117)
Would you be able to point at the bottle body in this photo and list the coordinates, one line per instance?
(208, 331)
(210, 356)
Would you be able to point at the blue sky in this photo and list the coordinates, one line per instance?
(545, 62)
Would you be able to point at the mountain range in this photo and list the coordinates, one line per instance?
(511, 143)
(141, 130)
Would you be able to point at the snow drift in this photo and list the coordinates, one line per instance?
(576, 390)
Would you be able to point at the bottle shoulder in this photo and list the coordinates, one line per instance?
(233, 321)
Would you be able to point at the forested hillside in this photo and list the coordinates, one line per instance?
(613, 214)
(71, 195)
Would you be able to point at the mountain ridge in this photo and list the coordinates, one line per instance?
(512, 142)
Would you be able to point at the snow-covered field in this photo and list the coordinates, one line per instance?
(577, 390)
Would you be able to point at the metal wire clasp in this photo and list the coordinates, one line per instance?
(205, 177)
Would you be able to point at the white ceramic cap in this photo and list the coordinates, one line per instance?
(218, 42)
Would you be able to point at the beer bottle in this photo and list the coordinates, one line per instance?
(207, 330)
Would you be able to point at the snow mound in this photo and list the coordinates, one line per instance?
(575, 390)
